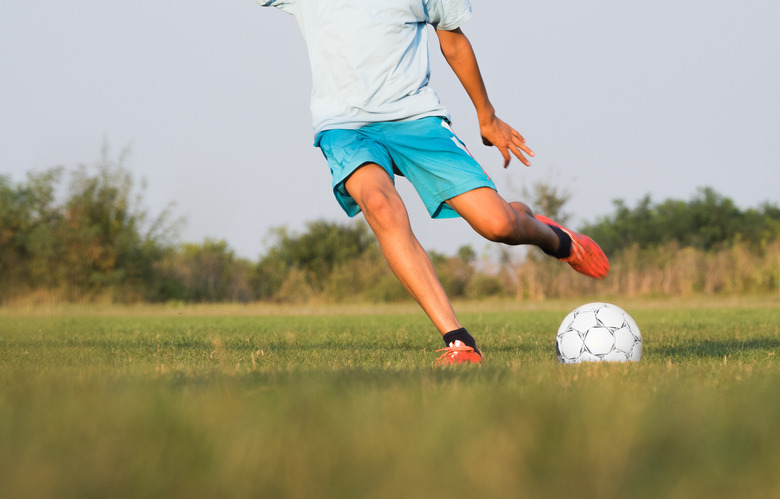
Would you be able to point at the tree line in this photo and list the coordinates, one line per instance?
(85, 235)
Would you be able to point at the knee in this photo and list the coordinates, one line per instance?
(521, 209)
(381, 207)
(512, 226)
(502, 229)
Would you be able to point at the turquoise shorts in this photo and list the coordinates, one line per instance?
(425, 151)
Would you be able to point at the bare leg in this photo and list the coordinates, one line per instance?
(386, 214)
(514, 223)
(495, 219)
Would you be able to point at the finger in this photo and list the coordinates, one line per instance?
(507, 157)
(523, 147)
(517, 152)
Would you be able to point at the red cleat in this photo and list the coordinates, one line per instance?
(459, 353)
(586, 257)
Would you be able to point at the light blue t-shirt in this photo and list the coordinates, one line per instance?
(369, 58)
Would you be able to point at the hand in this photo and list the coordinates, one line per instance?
(495, 132)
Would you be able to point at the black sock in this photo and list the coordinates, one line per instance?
(462, 335)
(564, 247)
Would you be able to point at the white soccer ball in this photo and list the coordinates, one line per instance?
(598, 332)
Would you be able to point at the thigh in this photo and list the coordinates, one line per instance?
(482, 208)
(374, 191)
(346, 152)
(497, 220)
(369, 180)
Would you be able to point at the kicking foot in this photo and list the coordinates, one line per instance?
(586, 257)
(459, 353)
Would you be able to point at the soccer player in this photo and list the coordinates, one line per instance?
(375, 117)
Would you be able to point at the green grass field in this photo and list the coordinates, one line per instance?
(326, 402)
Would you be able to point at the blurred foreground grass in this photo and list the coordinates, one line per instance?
(258, 402)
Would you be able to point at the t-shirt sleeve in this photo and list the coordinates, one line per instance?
(447, 15)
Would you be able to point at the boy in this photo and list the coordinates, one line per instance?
(375, 117)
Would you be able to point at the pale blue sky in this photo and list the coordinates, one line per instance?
(618, 99)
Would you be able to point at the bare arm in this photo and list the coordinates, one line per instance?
(460, 56)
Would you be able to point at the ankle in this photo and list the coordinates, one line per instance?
(459, 335)
(564, 244)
